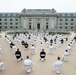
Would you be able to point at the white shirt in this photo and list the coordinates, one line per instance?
(58, 63)
(65, 54)
(32, 48)
(69, 48)
(28, 62)
(14, 48)
(51, 48)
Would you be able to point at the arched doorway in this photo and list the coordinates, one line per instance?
(38, 26)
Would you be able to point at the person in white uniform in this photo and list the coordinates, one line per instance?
(58, 65)
(32, 49)
(51, 48)
(68, 48)
(55, 45)
(47, 43)
(28, 64)
(0, 52)
(1, 65)
(14, 48)
(65, 55)
(41, 45)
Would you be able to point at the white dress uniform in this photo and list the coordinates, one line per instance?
(68, 48)
(41, 46)
(32, 50)
(14, 49)
(55, 45)
(0, 52)
(51, 48)
(47, 43)
(65, 55)
(1, 65)
(58, 66)
(28, 65)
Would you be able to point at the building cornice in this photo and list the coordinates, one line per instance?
(39, 15)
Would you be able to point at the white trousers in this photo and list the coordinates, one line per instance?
(32, 51)
(51, 51)
(28, 68)
(1, 65)
(58, 70)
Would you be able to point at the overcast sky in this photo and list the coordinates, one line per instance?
(18, 5)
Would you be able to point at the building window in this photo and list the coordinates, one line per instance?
(10, 19)
(66, 14)
(5, 19)
(29, 22)
(17, 14)
(47, 19)
(11, 27)
(0, 23)
(60, 23)
(5, 23)
(60, 27)
(0, 19)
(16, 27)
(5, 27)
(16, 19)
(16, 23)
(71, 14)
(1, 14)
(65, 27)
(46, 22)
(11, 14)
(46, 27)
(72, 19)
(71, 27)
(0, 27)
(6, 14)
(71, 23)
(66, 23)
(29, 19)
(66, 19)
(60, 14)
(30, 27)
(60, 19)
(11, 23)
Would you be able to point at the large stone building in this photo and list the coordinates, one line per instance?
(32, 20)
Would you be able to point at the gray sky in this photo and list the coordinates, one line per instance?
(18, 5)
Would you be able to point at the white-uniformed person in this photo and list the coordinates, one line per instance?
(47, 43)
(68, 48)
(1, 65)
(58, 65)
(65, 55)
(51, 48)
(28, 64)
(32, 49)
(55, 45)
(41, 45)
(0, 52)
(14, 48)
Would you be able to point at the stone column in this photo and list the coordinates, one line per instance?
(52, 23)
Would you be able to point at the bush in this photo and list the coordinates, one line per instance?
(59, 33)
(15, 32)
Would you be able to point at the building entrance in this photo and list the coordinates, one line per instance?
(38, 26)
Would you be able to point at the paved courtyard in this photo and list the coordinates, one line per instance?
(13, 67)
